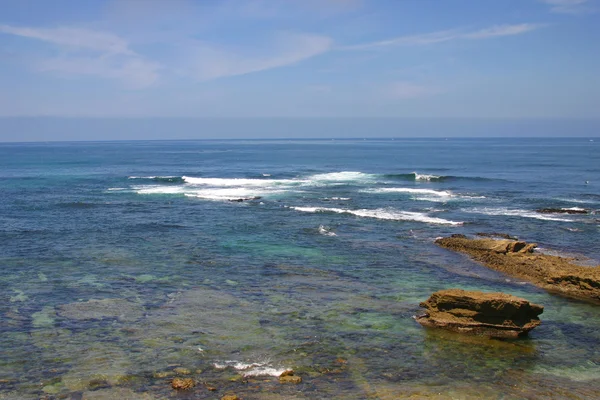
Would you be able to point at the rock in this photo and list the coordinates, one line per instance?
(245, 199)
(562, 211)
(182, 371)
(496, 235)
(516, 258)
(163, 374)
(290, 379)
(121, 309)
(288, 376)
(230, 397)
(182, 383)
(115, 393)
(490, 314)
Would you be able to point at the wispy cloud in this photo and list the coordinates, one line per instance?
(73, 38)
(134, 72)
(404, 90)
(448, 35)
(88, 52)
(568, 6)
(212, 63)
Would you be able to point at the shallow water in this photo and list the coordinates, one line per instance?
(124, 261)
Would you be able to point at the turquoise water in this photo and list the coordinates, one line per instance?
(235, 260)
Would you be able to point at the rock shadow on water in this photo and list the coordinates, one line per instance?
(449, 356)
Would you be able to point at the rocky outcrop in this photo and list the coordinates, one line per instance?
(516, 258)
(562, 211)
(490, 314)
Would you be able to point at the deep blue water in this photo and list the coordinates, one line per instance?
(311, 255)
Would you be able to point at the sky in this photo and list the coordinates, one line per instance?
(428, 59)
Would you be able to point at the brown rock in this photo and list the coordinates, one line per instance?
(182, 371)
(489, 314)
(230, 397)
(287, 372)
(516, 258)
(182, 383)
(290, 379)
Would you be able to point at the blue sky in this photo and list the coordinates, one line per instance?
(300, 58)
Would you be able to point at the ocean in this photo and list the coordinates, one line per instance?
(124, 264)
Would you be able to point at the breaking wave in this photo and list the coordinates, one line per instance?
(386, 214)
(161, 179)
(326, 231)
(516, 213)
(251, 369)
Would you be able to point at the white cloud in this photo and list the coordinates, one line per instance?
(568, 6)
(211, 63)
(448, 35)
(91, 53)
(74, 38)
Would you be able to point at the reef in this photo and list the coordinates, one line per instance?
(497, 315)
(562, 211)
(555, 274)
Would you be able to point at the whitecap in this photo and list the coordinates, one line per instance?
(439, 193)
(516, 213)
(580, 201)
(326, 231)
(228, 194)
(236, 181)
(425, 177)
(386, 214)
(343, 176)
(151, 189)
(251, 369)
(337, 199)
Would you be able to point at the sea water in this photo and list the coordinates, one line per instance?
(124, 264)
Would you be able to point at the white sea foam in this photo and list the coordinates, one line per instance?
(251, 369)
(420, 194)
(579, 201)
(387, 214)
(516, 213)
(343, 176)
(326, 231)
(152, 189)
(425, 177)
(337, 198)
(439, 193)
(237, 181)
(229, 193)
(152, 177)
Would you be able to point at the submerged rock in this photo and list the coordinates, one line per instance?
(121, 309)
(490, 314)
(116, 393)
(288, 376)
(516, 258)
(182, 383)
(562, 211)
